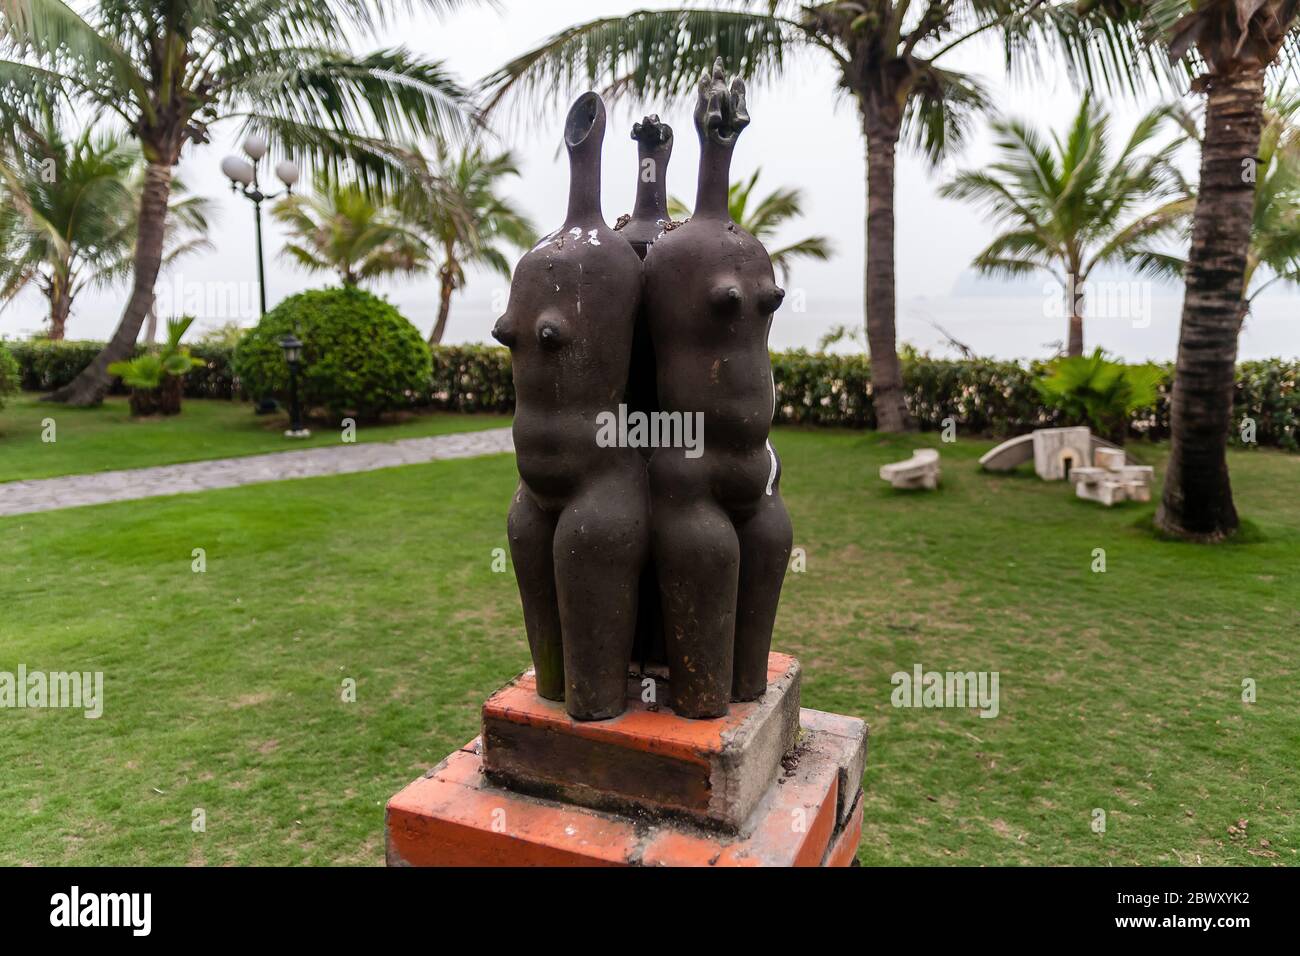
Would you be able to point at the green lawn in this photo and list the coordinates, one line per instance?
(106, 438)
(1119, 690)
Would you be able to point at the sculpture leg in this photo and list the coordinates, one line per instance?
(765, 540)
(601, 544)
(697, 557)
(531, 531)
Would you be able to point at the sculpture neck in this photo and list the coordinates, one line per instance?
(584, 182)
(715, 178)
(651, 196)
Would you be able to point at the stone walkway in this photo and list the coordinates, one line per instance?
(48, 494)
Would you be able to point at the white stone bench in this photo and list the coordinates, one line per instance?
(919, 471)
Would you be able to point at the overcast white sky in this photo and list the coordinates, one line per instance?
(800, 136)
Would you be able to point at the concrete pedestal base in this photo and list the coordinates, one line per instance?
(770, 784)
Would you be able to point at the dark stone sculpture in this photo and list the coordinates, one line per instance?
(578, 525)
(589, 327)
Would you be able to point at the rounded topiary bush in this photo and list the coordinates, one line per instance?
(360, 355)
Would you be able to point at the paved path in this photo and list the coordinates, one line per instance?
(48, 494)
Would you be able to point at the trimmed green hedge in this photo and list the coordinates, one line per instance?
(983, 396)
(471, 378)
(8, 374)
(45, 366)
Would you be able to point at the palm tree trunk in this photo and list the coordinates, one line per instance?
(1074, 309)
(151, 326)
(1075, 343)
(444, 308)
(89, 387)
(60, 309)
(1197, 500)
(878, 294)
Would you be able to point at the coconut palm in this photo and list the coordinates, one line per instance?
(764, 219)
(344, 230)
(63, 202)
(68, 213)
(1073, 203)
(1274, 255)
(466, 220)
(1229, 45)
(171, 69)
(888, 57)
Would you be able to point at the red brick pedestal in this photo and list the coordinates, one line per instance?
(770, 784)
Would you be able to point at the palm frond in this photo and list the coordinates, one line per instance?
(650, 55)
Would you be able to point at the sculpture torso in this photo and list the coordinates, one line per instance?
(569, 326)
(570, 362)
(710, 293)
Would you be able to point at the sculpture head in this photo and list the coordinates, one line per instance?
(653, 137)
(720, 112)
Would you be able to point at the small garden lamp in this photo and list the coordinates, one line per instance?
(293, 356)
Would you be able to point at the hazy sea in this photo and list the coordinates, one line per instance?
(1004, 327)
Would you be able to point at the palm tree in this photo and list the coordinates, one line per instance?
(62, 205)
(1071, 205)
(887, 55)
(341, 229)
(466, 219)
(764, 219)
(170, 69)
(68, 211)
(1230, 44)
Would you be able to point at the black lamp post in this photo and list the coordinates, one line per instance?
(293, 356)
(243, 178)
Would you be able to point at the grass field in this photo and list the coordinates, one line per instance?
(106, 438)
(1120, 691)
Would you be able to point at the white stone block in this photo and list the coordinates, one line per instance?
(1111, 459)
(1058, 451)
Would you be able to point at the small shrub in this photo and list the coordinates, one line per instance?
(155, 378)
(360, 355)
(1091, 390)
